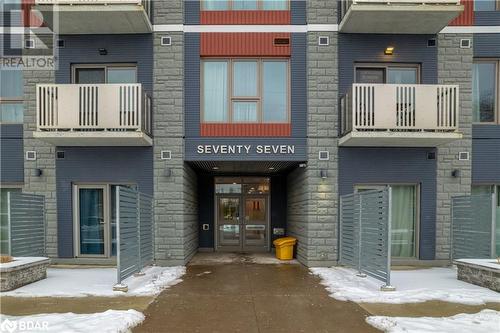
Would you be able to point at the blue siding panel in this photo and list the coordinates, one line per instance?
(487, 18)
(395, 165)
(298, 12)
(83, 49)
(486, 132)
(11, 154)
(298, 68)
(369, 48)
(192, 84)
(191, 12)
(486, 45)
(486, 161)
(119, 165)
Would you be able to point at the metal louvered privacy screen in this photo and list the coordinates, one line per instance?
(135, 232)
(472, 227)
(26, 220)
(365, 225)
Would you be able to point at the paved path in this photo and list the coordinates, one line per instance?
(249, 297)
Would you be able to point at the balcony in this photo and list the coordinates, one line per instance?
(397, 16)
(93, 115)
(79, 17)
(399, 115)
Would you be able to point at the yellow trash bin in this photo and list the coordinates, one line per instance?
(284, 247)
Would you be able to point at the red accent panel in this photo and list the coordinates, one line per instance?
(245, 17)
(209, 129)
(29, 18)
(244, 44)
(467, 16)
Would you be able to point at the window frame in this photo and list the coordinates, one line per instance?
(497, 7)
(496, 107)
(259, 98)
(13, 100)
(385, 66)
(75, 67)
(260, 6)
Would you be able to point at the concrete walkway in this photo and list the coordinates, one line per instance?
(233, 293)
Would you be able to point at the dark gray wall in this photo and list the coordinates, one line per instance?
(487, 45)
(395, 165)
(11, 153)
(99, 165)
(83, 49)
(298, 12)
(487, 18)
(370, 48)
(192, 85)
(486, 154)
(206, 202)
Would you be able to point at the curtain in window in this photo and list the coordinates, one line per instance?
(402, 75)
(275, 91)
(215, 5)
(245, 78)
(244, 4)
(403, 221)
(215, 91)
(244, 112)
(275, 4)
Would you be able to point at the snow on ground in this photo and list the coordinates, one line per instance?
(486, 321)
(412, 286)
(80, 282)
(109, 321)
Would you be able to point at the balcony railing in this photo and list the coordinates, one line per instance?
(97, 16)
(93, 114)
(399, 115)
(397, 16)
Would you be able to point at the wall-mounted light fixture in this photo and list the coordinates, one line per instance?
(455, 173)
(389, 50)
(167, 172)
(103, 51)
(38, 172)
(323, 174)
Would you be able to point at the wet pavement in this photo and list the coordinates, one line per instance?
(238, 295)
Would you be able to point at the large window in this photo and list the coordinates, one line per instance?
(111, 73)
(387, 73)
(245, 4)
(485, 91)
(11, 96)
(486, 5)
(245, 91)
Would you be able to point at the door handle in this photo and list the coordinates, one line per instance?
(101, 220)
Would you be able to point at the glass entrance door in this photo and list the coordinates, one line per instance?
(255, 231)
(92, 222)
(229, 232)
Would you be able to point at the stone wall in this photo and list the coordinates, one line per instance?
(454, 67)
(45, 157)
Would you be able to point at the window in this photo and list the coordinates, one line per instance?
(95, 74)
(387, 73)
(245, 91)
(11, 96)
(4, 219)
(486, 5)
(485, 91)
(245, 4)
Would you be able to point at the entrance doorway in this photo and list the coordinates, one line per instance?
(242, 214)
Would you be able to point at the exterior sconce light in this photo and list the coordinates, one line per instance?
(323, 174)
(389, 50)
(103, 51)
(38, 172)
(455, 173)
(167, 172)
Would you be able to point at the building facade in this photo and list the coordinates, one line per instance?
(247, 120)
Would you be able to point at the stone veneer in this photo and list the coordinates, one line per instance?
(454, 67)
(176, 208)
(22, 271)
(312, 201)
(481, 275)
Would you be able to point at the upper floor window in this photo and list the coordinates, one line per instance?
(11, 96)
(485, 91)
(486, 5)
(387, 73)
(245, 91)
(245, 4)
(109, 73)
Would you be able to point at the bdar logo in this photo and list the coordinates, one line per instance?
(8, 326)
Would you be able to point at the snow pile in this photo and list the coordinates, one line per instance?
(80, 282)
(486, 321)
(412, 286)
(109, 321)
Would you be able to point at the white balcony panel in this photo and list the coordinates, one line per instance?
(398, 16)
(68, 17)
(93, 115)
(400, 115)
